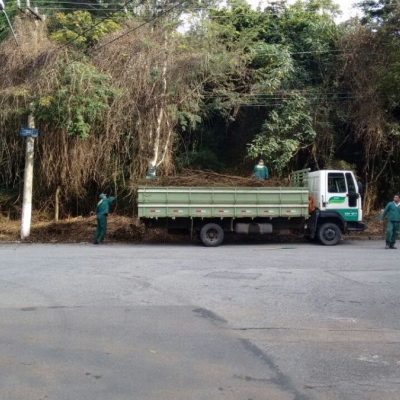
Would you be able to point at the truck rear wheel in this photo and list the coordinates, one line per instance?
(211, 235)
(329, 234)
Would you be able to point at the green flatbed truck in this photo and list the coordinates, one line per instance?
(321, 205)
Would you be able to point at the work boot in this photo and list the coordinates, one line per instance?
(387, 247)
(393, 247)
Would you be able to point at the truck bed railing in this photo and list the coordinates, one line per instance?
(300, 178)
(200, 202)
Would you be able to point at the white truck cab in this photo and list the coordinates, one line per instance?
(336, 203)
(336, 190)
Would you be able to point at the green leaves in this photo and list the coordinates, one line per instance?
(11, 11)
(288, 127)
(272, 65)
(79, 98)
(80, 29)
(377, 12)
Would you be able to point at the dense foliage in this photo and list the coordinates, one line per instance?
(118, 87)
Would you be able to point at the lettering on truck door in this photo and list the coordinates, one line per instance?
(341, 196)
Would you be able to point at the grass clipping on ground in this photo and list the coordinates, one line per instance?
(73, 230)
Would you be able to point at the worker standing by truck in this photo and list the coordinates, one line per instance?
(260, 171)
(392, 210)
(102, 210)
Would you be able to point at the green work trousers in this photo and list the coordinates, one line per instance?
(392, 231)
(101, 228)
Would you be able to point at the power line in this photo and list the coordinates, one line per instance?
(74, 3)
(109, 16)
(125, 34)
(80, 9)
(210, 97)
(301, 52)
(97, 24)
(139, 26)
(275, 104)
(261, 97)
(282, 100)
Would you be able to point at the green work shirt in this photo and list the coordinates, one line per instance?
(103, 206)
(260, 171)
(392, 211)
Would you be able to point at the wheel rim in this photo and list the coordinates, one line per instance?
(330, 234)
(212, 235)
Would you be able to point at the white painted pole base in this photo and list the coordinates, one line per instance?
(28, 185)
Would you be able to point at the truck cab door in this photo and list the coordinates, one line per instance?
(353, 195)
(342, 195)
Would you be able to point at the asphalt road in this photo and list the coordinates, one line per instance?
(250, 321)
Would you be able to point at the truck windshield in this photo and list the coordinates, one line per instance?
(336, 183)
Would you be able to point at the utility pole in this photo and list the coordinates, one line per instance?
(3, 8)
(30, 132)
(28, 181)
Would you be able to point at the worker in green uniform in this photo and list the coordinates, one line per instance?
(151, 173)
(102, 209)
(392, 210)
(260, 171)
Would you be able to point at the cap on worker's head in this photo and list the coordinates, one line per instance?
(102, 196)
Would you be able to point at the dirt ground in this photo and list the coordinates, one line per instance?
(124, 230)
(73, 230)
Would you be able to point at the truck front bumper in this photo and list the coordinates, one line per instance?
(355, 226)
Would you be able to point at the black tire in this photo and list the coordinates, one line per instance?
(211, 235)
(329, 234)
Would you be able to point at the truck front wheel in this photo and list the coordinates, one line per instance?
(211, 235)
(329, 234)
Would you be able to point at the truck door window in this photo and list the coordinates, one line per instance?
(336, 183)
(350, 183)
(353, 195)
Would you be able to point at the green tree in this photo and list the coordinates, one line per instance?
(287, 128)
(371, 76)
(11, 11)
(288, 66)
(377, 12)
(80, 29)
(77, 98)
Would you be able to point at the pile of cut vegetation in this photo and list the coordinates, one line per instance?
(196, 178)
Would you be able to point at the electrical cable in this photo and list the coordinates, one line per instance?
(80, 9)
(96, 24)
(139, 26)
(268, 99)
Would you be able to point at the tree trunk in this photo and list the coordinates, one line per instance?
(154, 162)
